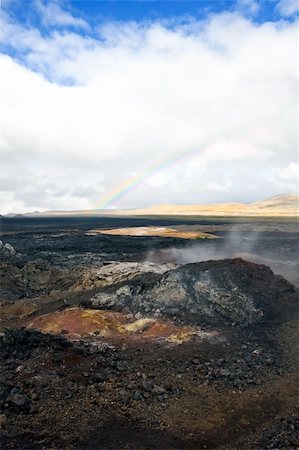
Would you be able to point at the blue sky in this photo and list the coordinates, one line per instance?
(144, 10)
(152, 9)
(96, 11)
(95, 92)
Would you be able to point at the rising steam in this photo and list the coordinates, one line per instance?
(271, 249)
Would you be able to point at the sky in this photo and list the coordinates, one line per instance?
(125, 104)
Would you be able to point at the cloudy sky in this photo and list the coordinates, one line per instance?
(96, 93)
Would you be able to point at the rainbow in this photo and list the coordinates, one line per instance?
(169, 159)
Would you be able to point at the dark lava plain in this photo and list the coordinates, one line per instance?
(274, 242)
(235, 390)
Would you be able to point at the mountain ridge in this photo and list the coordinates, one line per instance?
(285, 205)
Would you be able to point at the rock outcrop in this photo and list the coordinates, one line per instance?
(7, 249)
(231, 291)
(114, 272)
(213, 292)
(20, 278)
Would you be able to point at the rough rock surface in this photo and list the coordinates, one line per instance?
(114, 272)
(23, 278)
(226, 291)
(64, 395)
(20, 279)
(72, 393)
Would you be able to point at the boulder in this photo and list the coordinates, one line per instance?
(231, 291)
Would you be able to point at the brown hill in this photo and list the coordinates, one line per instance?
(283, 205)
(279, 205)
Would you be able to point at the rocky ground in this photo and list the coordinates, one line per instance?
(112, 352)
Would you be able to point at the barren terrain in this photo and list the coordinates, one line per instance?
(286, 205)
(283, 205)
(149, 342)
(154, 231)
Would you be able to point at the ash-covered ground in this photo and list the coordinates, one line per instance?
(123, 342)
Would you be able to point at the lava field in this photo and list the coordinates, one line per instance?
(149, 342)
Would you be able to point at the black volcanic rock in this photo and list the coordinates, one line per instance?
(24, 277)
(20, 278)
(23, 342)
(213, 292)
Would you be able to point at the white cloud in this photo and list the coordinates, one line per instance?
(248, 6)
(224, 88)
(288, 7)
(219, 187)
(52, 14)
(291, 171)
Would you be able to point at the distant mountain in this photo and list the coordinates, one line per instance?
(13, 215)
(279, 201)
(283, 205)
(279, 205)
